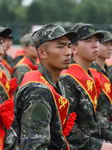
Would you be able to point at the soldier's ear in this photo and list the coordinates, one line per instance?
(74, 49)
(42, 53)
(25, 48)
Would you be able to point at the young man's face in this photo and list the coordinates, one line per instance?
(31, 51)
(87, 49)
(8, 43)
(4, 44)
(105, 50)
(58, 54)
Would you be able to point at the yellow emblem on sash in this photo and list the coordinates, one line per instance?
(7, 86)
(89, 85)
(0, 74)
(1, 138)
(62, 102)
(107, 87)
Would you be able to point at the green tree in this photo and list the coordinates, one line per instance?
(51, 11)
(97, 11)
(6, 14)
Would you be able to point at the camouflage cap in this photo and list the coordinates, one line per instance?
(26, 39)
(4, 31)
(107, 36)
(85, 31)
(50, 32)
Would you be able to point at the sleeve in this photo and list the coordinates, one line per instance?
(11, 141)
(35, 119)
(107, 132)
(77, 139)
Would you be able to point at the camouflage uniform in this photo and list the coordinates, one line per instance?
(9, 60)
(110, 72)
(86, 133)
(108, 37)
(104, 107)
(35, 110)
(10, 141)
(37, 115)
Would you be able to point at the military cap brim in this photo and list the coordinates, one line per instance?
(107, 36)
(98, 34)
(106, 40)
(50, 32)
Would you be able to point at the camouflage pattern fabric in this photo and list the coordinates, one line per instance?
(26, 39)
(107, 36)
(104, 108)
(37, 116)
(21, 69)
(17, 59)
(110, 72)
(11, 140)
(85, 134)
(50, 32)
(85, 31)
(9, 60)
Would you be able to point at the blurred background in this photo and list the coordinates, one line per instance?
(28, 15)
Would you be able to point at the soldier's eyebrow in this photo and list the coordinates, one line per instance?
(64, 43)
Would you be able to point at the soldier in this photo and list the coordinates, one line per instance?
(100, 72)
(7, 60)
(81, 90)
(6, 108)
(41, 106)
(28, 62)
(110, 68)
(7, 85)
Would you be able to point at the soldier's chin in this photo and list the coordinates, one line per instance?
(66, 67)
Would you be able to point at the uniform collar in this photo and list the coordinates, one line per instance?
(47, 76)
(33, 62)
(99, 68)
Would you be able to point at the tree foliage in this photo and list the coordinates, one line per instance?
(48, 11)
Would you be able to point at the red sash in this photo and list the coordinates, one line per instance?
(5, 82)
(20, 53)
(85, 81)
(61, 102)
(5, 63)
(105, 83)
(8, 86)
(27, 62)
